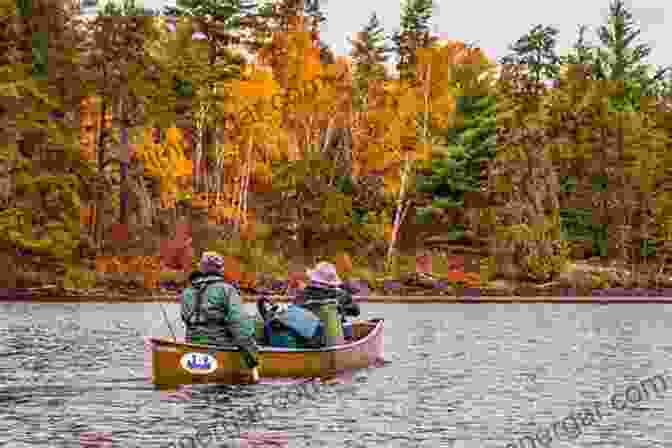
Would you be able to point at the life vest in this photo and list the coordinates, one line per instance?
(196, 317)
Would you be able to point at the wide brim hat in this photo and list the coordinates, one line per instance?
(324, 273)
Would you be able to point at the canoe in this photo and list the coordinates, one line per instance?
(177, 363)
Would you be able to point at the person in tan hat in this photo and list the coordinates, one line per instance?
(325, 286)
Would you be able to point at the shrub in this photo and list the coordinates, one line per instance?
(77, 278)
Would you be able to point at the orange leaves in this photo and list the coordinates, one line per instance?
(311, 64)
(232, 269)
(248, 230)
(87, 215)
(248, 280)
(297, 279)
(343, 263)
(184, 168)
(258, 84)
(388, 231)
(469, 279)
(174, 137)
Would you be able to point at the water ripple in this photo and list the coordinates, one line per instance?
(459, 376)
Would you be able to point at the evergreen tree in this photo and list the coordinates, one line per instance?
(413, 34)
(368, 56)
(536, 51)
(619, 58)
(582, 52)
(469, 144)
(222, 22)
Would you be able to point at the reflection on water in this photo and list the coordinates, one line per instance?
(476, 375)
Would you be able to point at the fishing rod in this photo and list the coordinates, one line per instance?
(170, 327)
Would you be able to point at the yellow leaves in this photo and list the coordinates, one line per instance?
(263, 172)
(166, 162)
(392, 184)
(258, 85)
(221, 213)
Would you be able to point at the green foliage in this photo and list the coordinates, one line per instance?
(253, 256)
(227, 12)
(25, 7)
(599, 182)
(619, 58)
(488, 269)
(126, 8)
(456, 232)
(577, 225)
(40, 51)
(78, 278)
(568, 184)
(424, 215)
(345, 185)
(471, 142)
(414, 33)
(648, 248)
(368, 56)
(536, 51)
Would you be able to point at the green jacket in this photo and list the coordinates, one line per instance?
(220, 321)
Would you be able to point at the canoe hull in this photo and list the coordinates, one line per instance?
(176, 363)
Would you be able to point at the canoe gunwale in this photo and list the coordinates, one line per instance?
(377, 325)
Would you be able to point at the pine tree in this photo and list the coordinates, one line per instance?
(368, 56)
(414, 34)
(536, 51)
(223, 23)
(619, 58)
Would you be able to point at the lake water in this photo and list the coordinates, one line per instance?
(460, 375)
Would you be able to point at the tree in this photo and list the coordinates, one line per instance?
(256, 138)
(469, 143)
(413, 34)
(399, 120)
(40, 211)
(222, 24)
(620, 58)
(536, 51)
(368, 56)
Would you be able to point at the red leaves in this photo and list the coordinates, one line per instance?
(177, 253)
(423, 264)
(119, 232)
(470, 279)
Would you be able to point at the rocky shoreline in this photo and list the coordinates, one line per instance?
(577, 284)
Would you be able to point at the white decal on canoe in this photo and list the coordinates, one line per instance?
(199, 363)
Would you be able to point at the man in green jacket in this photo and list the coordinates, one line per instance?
(212, 313)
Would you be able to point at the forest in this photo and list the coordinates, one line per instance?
(134, 140)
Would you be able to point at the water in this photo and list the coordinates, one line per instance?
(461, 375)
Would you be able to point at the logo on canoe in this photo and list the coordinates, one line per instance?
(202, 363)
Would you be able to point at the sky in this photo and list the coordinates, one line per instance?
(493, 25)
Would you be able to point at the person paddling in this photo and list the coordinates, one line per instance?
(211, 310)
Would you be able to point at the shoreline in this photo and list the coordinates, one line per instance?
(575, 285)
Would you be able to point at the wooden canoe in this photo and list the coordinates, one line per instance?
(176, 363)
